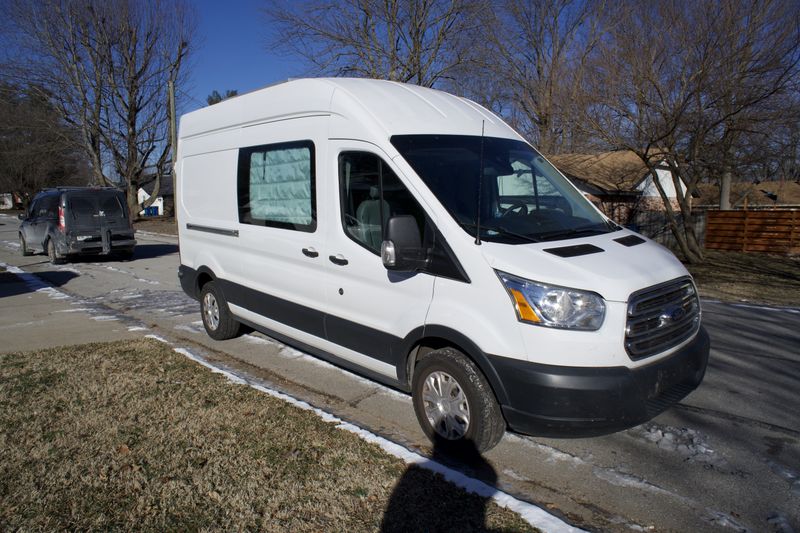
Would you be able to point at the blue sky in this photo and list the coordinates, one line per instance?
(231, 52)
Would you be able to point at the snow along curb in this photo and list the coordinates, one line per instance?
(532, 514)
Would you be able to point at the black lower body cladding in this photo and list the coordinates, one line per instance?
(559, 401)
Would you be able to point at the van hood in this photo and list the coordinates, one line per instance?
(602, 264)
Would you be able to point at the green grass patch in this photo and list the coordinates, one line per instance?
(132, 436)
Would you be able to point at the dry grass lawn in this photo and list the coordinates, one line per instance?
(755, 278)
(132, 436)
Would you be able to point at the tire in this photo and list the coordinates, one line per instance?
(466, 412)
(217, 319)
(55, 257)
(23, 246)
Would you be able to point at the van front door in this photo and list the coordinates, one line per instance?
(370, 309)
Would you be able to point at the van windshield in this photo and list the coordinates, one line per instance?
(523, 198)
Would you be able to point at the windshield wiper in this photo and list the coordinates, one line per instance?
(501, 231)
(574, 232)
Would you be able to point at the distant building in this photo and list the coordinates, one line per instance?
(164, 204)
(619, 183)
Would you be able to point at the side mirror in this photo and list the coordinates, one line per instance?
(21, 216)
(402, 250)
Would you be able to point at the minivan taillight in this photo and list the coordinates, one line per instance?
(61, 222)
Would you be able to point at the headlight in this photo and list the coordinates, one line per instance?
(552, 306)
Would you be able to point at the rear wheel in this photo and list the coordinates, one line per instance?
(52, 253)
(23, 246)
(454, 403)
(217, 319)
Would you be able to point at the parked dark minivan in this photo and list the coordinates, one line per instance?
(77, 220)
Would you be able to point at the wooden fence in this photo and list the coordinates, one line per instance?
(776, 232)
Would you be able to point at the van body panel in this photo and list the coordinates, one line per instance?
(614, 273)
(364, 300)
(328, 348)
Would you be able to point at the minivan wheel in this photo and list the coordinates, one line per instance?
(55, 257)
(217, 319)
(23, 246)
(454, 403)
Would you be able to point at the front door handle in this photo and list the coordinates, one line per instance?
(338, 259)
(310, 252)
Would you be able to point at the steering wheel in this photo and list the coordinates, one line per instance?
(517, 208)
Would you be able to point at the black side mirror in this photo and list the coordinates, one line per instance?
(402, 250)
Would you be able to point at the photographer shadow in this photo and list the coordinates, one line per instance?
(424, 501)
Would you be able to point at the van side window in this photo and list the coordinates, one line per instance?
(371, 193)
(276, 186)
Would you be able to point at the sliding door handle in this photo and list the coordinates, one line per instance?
(338, 259)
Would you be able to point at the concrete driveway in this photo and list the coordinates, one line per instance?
(726, 458)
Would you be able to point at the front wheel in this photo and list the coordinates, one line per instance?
(454, 403)
(217, 319)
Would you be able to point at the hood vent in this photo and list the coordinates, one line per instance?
(630, 240)
(574, 251)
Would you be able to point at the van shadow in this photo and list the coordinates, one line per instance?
(419, 503)
(13, 285)
(141, 251)
(151, 251)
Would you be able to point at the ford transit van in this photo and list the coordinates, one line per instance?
(412, 236)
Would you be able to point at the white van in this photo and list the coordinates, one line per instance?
(345, 217)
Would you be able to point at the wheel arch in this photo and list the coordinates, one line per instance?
(426, 339)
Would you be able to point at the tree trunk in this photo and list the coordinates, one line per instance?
(725, 190)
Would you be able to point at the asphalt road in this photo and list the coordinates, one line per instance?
(725, 459)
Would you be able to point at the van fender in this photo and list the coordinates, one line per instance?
(455, 339)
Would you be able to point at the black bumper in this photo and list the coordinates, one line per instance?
(119, 244)
(558, 401)
(188, 279)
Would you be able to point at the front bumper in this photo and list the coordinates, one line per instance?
(559, 401)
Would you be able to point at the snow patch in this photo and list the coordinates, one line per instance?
(137, 328)
(253, 339)
(159, 339)
(553, 455)
(76, 310)
(689, 443)
(725, 520)
(105, 318)
(189, 328)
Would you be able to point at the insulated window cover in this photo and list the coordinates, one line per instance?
(281, 186)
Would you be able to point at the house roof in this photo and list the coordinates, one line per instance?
(785, 193)
(620, 171)
(165, 189)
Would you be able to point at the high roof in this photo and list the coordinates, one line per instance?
(377, 106)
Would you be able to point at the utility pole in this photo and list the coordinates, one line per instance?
(173, 134)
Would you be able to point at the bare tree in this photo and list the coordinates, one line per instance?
(37, 149)
(105, 66)
(215, 97)
(414, 41)
(539, 49)
(684, 95)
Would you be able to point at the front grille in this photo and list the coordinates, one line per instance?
(661, 317)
